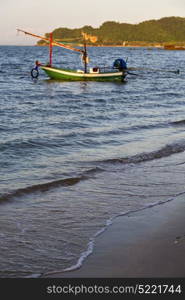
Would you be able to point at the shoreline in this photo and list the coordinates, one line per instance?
(146, 243)
(111, 46)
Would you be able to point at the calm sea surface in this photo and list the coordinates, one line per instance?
(74, 155)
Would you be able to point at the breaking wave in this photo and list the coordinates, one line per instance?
(148, 156)
(43, 187)
(178, 123)
(138, 158)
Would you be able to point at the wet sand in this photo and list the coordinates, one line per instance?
(143, 244)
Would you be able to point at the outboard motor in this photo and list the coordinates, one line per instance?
(120, 64)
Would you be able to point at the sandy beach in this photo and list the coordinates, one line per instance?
(143, 244)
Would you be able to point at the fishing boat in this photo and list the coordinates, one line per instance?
(117, 72)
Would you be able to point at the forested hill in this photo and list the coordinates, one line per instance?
(168, 29)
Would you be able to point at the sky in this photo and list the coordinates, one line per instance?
(41, 16)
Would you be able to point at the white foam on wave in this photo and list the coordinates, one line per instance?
(90, 248)
(109, 222)
(87, 252)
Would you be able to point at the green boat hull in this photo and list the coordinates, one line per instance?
(69, 75)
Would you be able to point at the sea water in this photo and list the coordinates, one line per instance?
(74, 155)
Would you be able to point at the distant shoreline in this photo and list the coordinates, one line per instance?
(151, 33)
(128, 46)
(166, 46)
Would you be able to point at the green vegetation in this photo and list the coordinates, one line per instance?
(165, 30)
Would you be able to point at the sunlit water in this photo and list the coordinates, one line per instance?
(74, 155)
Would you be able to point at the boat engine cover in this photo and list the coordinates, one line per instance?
(120, 64)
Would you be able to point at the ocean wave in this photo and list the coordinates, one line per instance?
(166, 151)
(178, 123)
(147, 126)
(138, 158)
(21, 148)
(74, 137)
(47, 186)
(43, 187)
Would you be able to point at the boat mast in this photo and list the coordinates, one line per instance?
(85, 57)
(50, 49)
